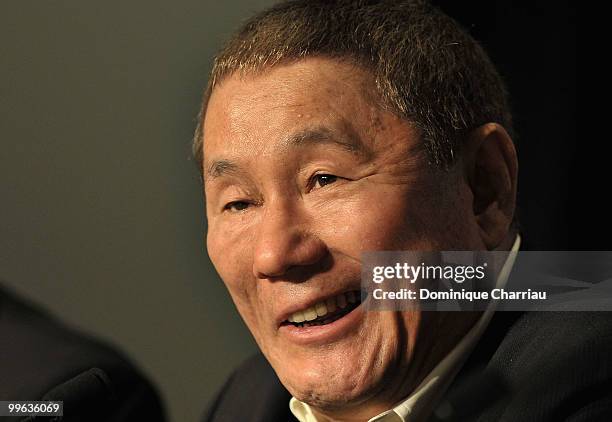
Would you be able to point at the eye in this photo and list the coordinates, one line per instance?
(320, 180)
(236, 206)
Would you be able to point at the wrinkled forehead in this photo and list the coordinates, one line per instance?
(288, 99)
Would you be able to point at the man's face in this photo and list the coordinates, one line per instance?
(304, 172)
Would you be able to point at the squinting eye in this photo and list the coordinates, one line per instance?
(236, 206)
(324, 179)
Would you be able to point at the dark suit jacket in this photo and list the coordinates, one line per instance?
(38, 353)
(557, 366)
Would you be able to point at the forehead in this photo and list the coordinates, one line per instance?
(286, 98)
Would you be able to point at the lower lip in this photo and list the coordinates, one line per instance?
(319, 334)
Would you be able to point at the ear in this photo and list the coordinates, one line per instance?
(491, 169)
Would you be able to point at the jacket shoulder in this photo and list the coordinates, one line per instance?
(252, 393)
(556, 364)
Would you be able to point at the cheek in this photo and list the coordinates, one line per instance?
(378, 218)
(229, 247)
(391, 217)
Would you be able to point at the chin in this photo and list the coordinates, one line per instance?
(339, 375)
(331, 392)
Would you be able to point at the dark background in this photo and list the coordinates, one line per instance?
(561, 177)
(101, 215)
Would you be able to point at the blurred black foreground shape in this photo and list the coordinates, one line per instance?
(41, 359)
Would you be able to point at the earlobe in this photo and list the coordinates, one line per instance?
(491, 169)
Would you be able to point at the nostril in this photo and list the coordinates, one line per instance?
(276, 253)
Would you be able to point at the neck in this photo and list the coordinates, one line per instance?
(508, 241)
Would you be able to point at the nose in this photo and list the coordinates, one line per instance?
(284, 242)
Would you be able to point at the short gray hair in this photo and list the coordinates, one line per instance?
(426, 68)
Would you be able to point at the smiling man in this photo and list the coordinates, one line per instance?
(330, 128)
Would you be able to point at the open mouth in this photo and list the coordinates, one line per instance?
(325, 312)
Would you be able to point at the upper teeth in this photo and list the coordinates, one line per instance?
(323, 308)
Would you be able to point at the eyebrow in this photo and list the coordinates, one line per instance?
(220, 168)
(348, 141)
